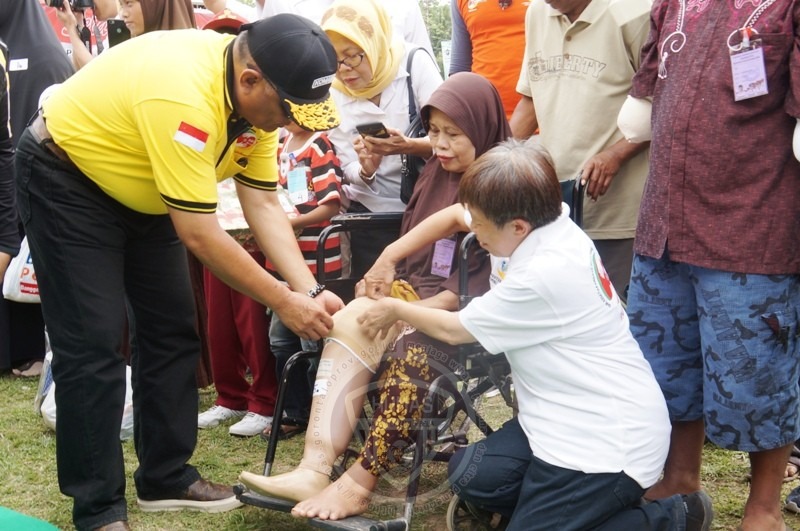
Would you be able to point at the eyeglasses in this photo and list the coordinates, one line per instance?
(352, 61)
(504, 3)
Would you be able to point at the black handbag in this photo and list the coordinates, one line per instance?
(411, 165)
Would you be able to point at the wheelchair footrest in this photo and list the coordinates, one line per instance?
(354, 523)
(359, 523)
(248, 497)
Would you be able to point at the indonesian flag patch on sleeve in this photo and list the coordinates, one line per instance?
(192, 137)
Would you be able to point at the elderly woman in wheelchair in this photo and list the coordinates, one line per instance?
(464, 118)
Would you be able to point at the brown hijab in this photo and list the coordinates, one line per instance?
(474, 105)
(167, 14)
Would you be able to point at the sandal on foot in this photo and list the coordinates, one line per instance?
(287, 431)
(792, 469)
(30, 369)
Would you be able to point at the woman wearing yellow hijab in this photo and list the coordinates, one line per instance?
(371, 86)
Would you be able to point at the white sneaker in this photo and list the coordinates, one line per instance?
(217, 414)
(252, 424)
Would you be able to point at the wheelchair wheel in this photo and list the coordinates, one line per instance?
(462, 516)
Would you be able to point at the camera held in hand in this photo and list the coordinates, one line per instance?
(76, 5)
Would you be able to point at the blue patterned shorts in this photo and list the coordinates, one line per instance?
(723, 347)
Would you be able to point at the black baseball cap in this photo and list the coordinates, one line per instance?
(300, 61)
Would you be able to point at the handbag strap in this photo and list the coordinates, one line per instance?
(412, 106)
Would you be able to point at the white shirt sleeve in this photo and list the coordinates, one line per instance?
(796, 140)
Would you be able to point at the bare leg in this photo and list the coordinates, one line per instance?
(341, 383)
(403, 387)
(330, 428)
(348, 496)
(762, 511)
(682, 470)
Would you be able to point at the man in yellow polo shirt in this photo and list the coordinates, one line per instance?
(115, 176)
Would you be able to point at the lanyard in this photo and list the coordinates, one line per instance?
(675, 41)
(747, 30)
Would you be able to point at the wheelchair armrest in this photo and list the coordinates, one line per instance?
(578, 194)
(572, 193)
(350, 223)
(367, 220)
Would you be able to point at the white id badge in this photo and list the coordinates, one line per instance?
(297, 185)
(17, 65)
(749, 74)
(284, 166)
(443, 253)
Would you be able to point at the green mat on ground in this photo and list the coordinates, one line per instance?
(19, 522)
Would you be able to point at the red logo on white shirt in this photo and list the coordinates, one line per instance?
(601, 277)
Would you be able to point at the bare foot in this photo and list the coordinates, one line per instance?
(762, 518)
(346, 497)
(297, 485)
(792, 469)
(762, 522)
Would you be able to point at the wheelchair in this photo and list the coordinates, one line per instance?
(450, 407)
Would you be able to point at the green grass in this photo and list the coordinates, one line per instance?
(28, 475)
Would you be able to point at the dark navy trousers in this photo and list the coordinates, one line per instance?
(92, 254)
(501, 474)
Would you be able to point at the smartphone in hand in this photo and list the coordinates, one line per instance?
(374, 129)
(117, 31)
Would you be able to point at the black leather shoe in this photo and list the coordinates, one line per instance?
(201, 495)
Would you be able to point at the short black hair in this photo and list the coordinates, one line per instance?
(513, 180)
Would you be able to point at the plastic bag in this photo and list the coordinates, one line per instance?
(46, 378)
(19, 283)
(126, 425)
